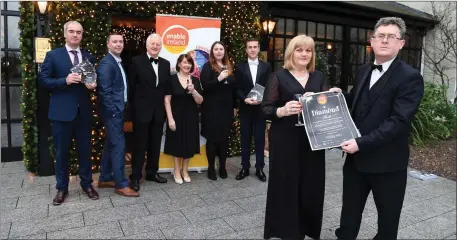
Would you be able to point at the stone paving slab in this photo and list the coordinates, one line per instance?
(205, 230)
(176, 204)
(107, 230)
(205, 213)
(92, 217)
(222, 209)
(39, 226)
(153, 222)
(24, 214)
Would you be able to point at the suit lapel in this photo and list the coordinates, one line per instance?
(377, 88)
(69, 62)
(248, 72)
(148, 63)
(160, 69)
(260, 68)
(360, 82)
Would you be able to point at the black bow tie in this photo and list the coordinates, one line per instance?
(155, 60)
(374, 66)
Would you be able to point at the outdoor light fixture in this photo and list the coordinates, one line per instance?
(269, 25)
(42, 6)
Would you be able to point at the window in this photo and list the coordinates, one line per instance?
(328, 39)
(412, 51)
(360, 51)
(11, 77)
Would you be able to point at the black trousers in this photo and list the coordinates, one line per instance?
(148, 137)
(252, 123)
(219, 149)
(388, 193)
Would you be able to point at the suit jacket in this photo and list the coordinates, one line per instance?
(245, 83)
(384, 116)
(147, 99)
(65, 99)
(110, 87)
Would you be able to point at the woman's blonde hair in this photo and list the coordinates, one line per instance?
(300, 41)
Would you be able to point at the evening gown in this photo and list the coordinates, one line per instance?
(296, 186)
(185, 141)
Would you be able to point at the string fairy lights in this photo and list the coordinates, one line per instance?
(240, 20)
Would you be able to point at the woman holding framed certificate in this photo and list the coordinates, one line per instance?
(295, 197)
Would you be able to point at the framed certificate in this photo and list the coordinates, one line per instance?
(327, 120)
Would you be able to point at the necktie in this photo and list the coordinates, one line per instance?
(255, 62)
(155, 60)
(374, 66)
(75, 59)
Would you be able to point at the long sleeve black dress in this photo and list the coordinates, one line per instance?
(296, 185)
(217, 114)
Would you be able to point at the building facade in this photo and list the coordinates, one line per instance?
(11, 115)
(342, 31)
(432, 39)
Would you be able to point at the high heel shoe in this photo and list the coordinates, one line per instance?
(186, 179)
(178, 180)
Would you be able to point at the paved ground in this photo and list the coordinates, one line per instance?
(222, 209)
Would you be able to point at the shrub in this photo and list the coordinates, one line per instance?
(435, 119)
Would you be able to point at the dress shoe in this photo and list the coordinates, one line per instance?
(60, 197)
(127, 192)
(109, 184)
(178, 180)
(261, 175)
(135, 185)
(212, 174)
(242, 174)
(156, 178)
(91, 193)
(187, 179)
(223, 173)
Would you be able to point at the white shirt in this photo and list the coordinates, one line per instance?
(156, 69)
(118, 60)
(72, 56)
(253, 65)
(376, 75)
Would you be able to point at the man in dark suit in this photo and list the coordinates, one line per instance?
(112, 96)
(70, 110)
(248, 74)
(385, 97)
(148, 77)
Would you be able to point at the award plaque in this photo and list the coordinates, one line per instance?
(327, 120)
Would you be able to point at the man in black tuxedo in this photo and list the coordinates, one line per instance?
(385, 97)
(148, 77)
(248, 74)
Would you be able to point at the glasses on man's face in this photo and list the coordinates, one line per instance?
(381, 37)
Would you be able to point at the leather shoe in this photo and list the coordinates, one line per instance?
(135, 185)
(223, 173)
(242, 174)
(156, 178)
(127, 192)
(60, 197)
(261, 175)
(109, 184)
(212, 174)
(91, 193)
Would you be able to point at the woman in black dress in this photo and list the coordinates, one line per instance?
(218, 85)
(181, 104)
(296, 185)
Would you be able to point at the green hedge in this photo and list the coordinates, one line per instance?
(435, 119)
